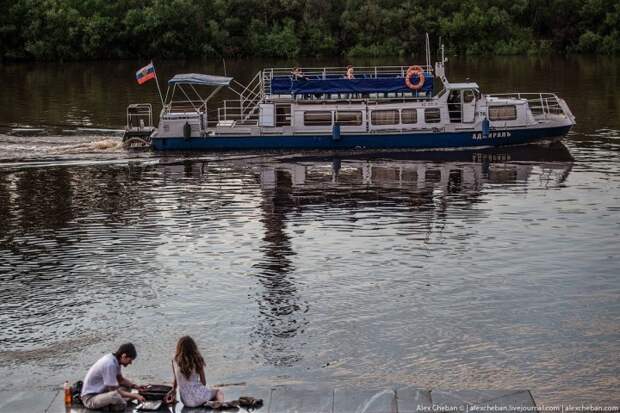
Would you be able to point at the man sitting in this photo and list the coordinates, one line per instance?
(102, 385)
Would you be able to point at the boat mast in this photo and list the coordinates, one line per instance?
(428, 52)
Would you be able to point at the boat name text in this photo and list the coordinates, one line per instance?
(491, 135)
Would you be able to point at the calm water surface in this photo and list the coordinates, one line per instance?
(488, 269)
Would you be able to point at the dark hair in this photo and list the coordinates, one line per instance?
(187, 356)
(128, 349)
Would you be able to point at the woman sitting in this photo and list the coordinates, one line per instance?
(188, 368)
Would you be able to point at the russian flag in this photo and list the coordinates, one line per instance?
(146, 73)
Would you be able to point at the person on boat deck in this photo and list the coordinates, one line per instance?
(297, 73)
(188, 370)
(105, 386)
(349, 75)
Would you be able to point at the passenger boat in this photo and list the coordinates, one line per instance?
(335, 108)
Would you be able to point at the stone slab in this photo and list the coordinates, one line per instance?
(365, 401)
(25, 401)
(300, 400)
(58, 406)
(413, 400)
(515, 401)
(456, 397)
(477, 400)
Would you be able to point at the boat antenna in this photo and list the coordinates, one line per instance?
(428, 51)
(224, 63)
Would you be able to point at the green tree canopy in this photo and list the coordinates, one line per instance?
(100, 29)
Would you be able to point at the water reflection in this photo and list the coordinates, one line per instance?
(67, 252)
(281, 313)
(72, 235)
(407, 177)
(294, 185)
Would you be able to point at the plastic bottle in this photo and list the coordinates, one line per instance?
(68, 395)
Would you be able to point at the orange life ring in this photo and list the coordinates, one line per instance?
(415, 70)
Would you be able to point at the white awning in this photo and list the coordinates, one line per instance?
(199, 79)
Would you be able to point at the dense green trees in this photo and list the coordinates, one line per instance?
(108, 29)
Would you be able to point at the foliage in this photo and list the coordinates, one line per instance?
(111, 29)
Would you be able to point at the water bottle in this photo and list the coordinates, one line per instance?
(68, 395)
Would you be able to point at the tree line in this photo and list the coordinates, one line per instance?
(117, 29)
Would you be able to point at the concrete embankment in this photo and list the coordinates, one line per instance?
(300, 399)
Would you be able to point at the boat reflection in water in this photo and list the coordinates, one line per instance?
(426, 184)
(451, 171)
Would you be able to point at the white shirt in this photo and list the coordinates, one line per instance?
(101, 375)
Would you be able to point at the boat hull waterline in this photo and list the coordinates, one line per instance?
(416, 140)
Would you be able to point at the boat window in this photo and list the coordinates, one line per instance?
(505, 112)
(384, 117)
(409, 116)
(432, 115)
(349, 118)
(317, 118)
(283, 115)
(468, 96)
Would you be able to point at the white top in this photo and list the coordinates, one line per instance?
(101, 375)
(193, 393)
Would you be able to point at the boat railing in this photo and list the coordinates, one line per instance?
(250, 96)
(139, 116)
(184, 106)
(235, 111)
(542, 105)
(370, 72)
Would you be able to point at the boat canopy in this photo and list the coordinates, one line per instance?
(340, 84)
(199, 79)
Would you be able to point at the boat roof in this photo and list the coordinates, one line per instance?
(199, 79)
(468, 85)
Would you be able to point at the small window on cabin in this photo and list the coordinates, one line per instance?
(506, 112)
(349, 118)
(432, 115)
(317, 118)
(409, 116)
(468, 96)
(384, 117)
(283, 115)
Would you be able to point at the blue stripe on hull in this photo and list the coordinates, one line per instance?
(429, 140)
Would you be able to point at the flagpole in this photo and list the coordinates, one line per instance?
(158, 89)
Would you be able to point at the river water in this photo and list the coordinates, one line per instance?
(458, 270)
